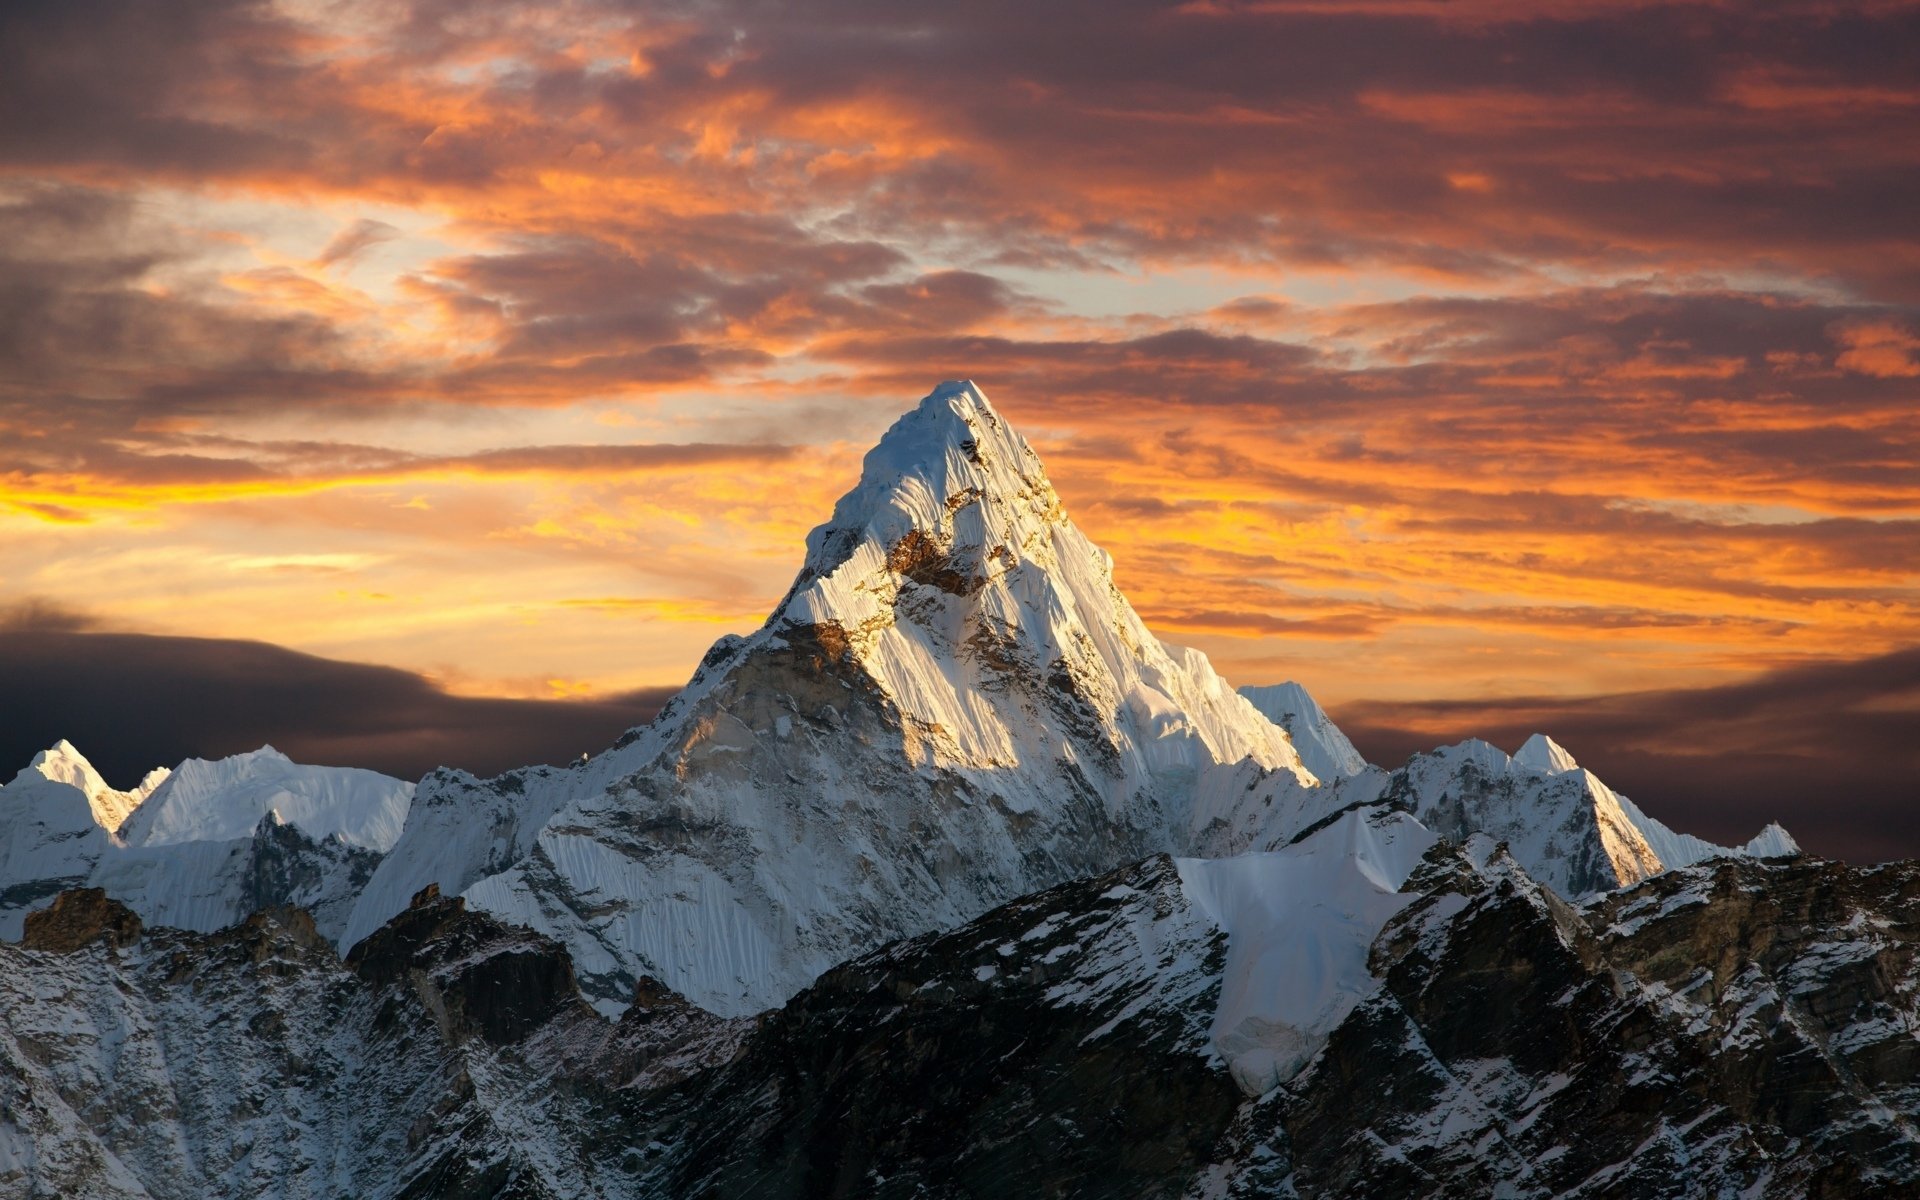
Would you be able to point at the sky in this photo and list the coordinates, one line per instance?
(433, 382)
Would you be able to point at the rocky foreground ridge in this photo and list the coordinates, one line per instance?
(1741, 1027)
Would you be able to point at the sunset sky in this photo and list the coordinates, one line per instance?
(1479, 364)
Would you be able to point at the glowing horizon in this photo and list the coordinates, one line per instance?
(1410, 351)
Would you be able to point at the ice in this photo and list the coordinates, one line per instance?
(1323, 748)
(1299, 923)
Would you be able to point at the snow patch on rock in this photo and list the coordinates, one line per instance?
(1299, 924)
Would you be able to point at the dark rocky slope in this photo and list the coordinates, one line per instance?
(1738, 1028)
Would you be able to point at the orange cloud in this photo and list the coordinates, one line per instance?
(1418, 347)
(1882, 349)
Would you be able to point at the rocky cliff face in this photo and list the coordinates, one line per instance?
(1739, 1028)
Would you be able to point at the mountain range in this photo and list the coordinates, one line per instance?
(951, 879)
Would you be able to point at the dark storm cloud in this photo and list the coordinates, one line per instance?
(132, 702)
(1618, 129)
(119, 82)
(1832, 751)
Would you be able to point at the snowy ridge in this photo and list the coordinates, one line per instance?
(199, 847)
(1323, 748)
(1541, 753)
(111, 807)
(460, 829)
(204, 800)
(1561, 822)
(1567, 829)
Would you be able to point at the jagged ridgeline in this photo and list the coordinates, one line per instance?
(950, 880)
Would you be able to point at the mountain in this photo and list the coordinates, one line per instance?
(201, 846)
(952, 706)
(1322, 747)
(208, 801)
(950, 880)
(1570, 830)
(109, 806)
(1547, 757)
(1736, 1028)
(57, 818)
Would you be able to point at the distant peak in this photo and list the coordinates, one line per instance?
(1541, 753)
(62, 763)
(1773, 842)
(1323, 748)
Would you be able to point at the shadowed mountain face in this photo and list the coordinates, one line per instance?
(1734, 1028)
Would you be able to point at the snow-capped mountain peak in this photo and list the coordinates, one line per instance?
(952, 705)
(1567, 828)
(63, 763)
(950, 495)
(1541, 753)
(1773, 842)
(952, 573)
(1323, 748)
(221, 799)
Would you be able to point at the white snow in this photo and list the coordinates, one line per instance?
(222, 799)
(1565, 826)
(1299, 924)
(1541, 753)
(1323, 748)
(179, 848)
(62, 763)
(1772, 842)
